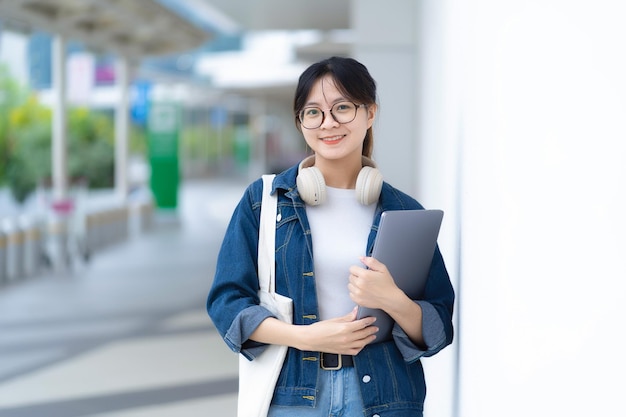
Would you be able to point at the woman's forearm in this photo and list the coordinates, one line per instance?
(408, 315)
(275, 332)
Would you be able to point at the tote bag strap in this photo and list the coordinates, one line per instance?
(267, 237)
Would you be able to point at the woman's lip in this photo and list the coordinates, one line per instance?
(331, 139)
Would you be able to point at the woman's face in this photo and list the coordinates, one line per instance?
(333, 141)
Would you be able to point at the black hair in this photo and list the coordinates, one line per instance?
(352, 79)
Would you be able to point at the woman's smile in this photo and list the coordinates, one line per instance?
(331, 140)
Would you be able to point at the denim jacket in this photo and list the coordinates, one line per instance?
(391, 375)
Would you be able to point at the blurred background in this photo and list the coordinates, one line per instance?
(129, 129)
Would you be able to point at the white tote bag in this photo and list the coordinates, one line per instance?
(257, 378)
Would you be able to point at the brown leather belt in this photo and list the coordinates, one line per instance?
(333, 361)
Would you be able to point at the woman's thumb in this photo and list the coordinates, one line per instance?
(351, 316)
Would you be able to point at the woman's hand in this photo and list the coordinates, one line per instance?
(344, 335)
(373, 287)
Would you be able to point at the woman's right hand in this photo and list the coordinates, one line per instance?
(343, 335)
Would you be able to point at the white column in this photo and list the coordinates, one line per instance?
(59, 120)
(436, 169)
(386, 45)
(122, 129)
(58, 229)
(400, 42)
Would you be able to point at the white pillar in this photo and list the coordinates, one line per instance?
(59, 121)
(386, 45)
(437, 165)
(399, 42)
(58, 229)
(122, 129)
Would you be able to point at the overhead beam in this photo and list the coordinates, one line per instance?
(131, 28)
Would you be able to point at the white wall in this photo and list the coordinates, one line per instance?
(518, 131)
(542, 104)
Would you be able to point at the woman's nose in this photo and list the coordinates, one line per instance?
(328, 118)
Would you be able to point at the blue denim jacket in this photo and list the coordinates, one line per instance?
(391, 375)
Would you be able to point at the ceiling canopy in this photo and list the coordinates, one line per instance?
(132, 28)
(284, 14)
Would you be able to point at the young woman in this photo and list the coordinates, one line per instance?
(329, 207)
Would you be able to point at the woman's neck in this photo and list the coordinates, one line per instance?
(340, 173)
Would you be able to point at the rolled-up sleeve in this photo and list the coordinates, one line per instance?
(238, 335)
(432, 330)
(437, 308)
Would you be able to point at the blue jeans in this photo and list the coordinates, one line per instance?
(339, 396)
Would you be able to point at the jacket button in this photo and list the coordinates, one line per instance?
(367, 379)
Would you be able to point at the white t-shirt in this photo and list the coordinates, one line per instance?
(339, 230)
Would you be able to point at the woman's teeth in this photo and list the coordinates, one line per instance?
(333, 138)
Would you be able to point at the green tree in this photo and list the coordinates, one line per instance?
(90, 148)
(11, 95)
(91, 154)
(29, 159)
(25, 141)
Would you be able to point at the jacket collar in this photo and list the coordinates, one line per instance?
(286, 180)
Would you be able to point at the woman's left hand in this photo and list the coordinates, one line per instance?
(373, 286)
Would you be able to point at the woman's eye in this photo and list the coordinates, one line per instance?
(342, 107)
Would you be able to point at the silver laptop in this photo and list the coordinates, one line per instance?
(405, 243)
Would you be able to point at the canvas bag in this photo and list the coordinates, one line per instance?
(257, 378)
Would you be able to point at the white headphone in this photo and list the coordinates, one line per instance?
(312, 187)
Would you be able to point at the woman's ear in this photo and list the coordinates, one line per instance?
(298, 124)
(372, 109)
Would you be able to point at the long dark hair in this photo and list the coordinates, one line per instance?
(351, 78)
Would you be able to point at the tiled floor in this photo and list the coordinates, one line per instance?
(126, 335)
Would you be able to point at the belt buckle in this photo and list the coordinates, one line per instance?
(331, 368)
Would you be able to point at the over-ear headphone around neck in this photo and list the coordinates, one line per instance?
(312, 187)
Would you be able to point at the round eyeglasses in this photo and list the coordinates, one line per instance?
(342, 112)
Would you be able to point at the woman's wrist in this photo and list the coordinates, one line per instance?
(301, 337)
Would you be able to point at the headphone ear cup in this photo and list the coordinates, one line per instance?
(369, 184)
(311, 186)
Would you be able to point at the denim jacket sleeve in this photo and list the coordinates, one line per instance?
(233, 302)
(437, 306)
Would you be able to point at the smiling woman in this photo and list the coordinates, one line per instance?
(329, 208)
(340, 140)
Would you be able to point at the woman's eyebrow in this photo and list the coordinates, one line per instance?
(332, 103)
